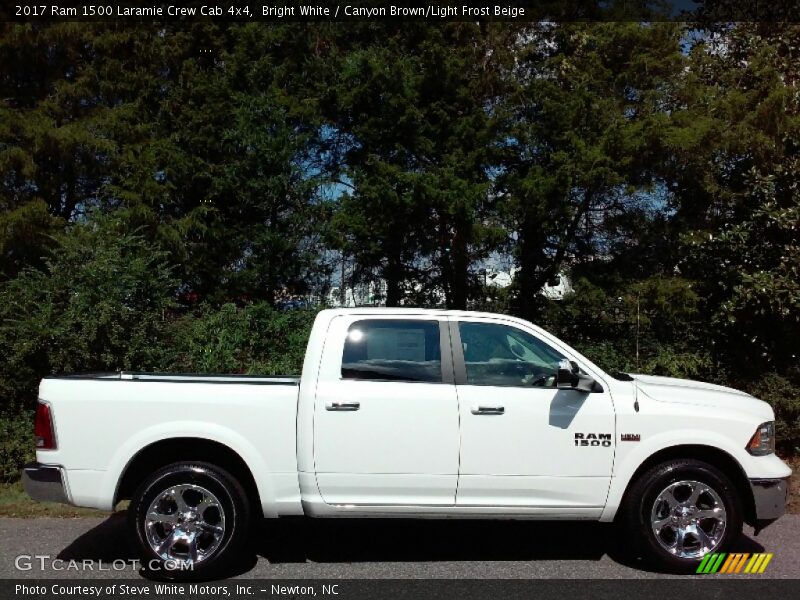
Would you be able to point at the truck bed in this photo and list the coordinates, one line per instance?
(103, 420)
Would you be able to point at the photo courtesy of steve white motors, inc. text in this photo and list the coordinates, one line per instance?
(138, 590)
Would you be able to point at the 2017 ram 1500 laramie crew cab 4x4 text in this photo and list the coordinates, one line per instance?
(412, 413)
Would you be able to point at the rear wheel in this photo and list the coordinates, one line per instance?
(681, 510)
(189, 520)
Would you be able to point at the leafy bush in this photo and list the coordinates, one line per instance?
(99, 304)
(254, 339)
(607, 356)
(784, 396)
(16, 444)
(686, 364)
(656, 316)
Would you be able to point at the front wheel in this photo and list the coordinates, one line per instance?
(681, 510)
(189, 520)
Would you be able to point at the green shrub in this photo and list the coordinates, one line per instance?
(253, 339)
(784, 396)
(16, 444)
(685, 364)
(99, 304)
(608, 356)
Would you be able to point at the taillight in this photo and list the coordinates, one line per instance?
(43, 431)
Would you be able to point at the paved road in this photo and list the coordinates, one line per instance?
(381, 549)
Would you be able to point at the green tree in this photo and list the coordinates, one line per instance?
(741, 128)
(582, 115)
(413, 106)
(53, 153)
(206, 153)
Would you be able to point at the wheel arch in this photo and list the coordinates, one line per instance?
(170, 450)
(712, 455)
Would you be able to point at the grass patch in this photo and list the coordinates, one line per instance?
(14, 502)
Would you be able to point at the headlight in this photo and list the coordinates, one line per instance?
(763, 440)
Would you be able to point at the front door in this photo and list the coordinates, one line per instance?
(386, 413)
(524, 442)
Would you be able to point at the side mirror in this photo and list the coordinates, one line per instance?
(569, 377)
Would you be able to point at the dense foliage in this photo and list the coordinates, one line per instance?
(164, 190)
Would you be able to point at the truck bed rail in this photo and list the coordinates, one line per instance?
(183, 378)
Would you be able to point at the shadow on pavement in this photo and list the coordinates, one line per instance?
(298, 540)
(406, 540)
(107, 542)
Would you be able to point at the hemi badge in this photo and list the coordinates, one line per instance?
(630, 437)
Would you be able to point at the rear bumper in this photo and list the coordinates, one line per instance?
(769, 499)
(45, 483)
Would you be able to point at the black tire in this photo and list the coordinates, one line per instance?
(228, 509)
(641, 498)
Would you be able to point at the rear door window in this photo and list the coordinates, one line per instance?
(393, 350)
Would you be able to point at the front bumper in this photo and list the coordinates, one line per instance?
(45, 483)
(769, 499)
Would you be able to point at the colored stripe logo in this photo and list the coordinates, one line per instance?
(734, 563)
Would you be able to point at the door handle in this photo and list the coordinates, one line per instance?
(488, 410)
(342, 405)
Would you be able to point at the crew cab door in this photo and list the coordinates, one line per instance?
(524, 442)
(386, 413)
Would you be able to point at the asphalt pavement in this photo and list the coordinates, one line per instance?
(48, 548)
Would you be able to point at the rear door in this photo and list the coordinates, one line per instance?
(524, 442)
(386, 416)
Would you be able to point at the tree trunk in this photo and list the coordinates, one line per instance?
(393, 275)
(531, 242)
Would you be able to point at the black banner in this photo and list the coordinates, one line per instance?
(369, 589)
(404, 10)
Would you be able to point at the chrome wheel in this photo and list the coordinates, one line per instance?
(688, 519)
(185, 523)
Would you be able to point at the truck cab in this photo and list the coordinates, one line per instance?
(455, 413)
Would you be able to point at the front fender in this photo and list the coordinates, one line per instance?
(630, 456)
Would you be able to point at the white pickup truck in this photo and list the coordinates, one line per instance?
(412, 413)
